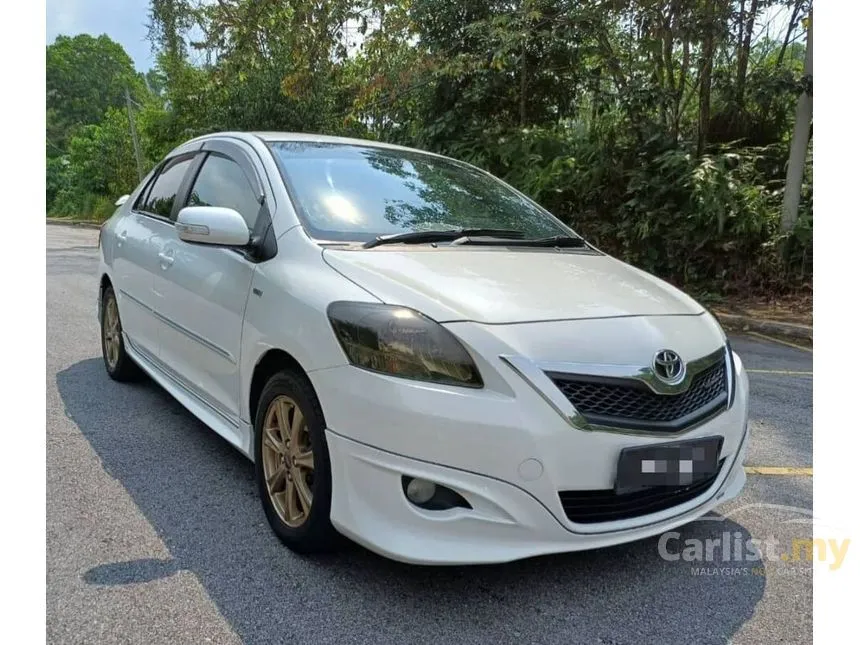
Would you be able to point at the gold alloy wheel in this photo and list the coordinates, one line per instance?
(288, 461)
(112, 332)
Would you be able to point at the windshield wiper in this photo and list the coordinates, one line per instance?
(425, 237)
(556, 241)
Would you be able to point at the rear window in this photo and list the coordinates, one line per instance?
(159, 200)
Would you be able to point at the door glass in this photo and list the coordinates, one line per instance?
(159, 201)
(221, 182)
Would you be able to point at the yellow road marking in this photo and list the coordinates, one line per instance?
(779, 340)
(782, 372)
(777, 470)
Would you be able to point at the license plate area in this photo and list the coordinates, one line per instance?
(672, 465)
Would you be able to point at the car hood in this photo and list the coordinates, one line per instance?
(496, 285)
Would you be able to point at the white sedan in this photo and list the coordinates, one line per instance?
(414, 354)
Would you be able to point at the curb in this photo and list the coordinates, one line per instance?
(747, 323)
(70, 222)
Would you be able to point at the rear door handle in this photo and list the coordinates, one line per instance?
(121, 238)
(166, 260)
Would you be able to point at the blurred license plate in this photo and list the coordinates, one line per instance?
(679, 463)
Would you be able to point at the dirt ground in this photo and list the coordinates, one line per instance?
(795, 309)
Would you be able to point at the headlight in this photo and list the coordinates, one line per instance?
(730, 357)
(401, 342)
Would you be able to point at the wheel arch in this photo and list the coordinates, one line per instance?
(270, 363)
(104, 283)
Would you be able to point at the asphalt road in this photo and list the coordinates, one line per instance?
(155, 534)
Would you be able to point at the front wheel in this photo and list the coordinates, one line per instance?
(292, 464)
(118, 363)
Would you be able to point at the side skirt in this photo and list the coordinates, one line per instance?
(238, 433)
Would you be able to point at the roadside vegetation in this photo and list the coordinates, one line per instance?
(660, 130)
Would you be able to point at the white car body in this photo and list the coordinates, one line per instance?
(200, 320)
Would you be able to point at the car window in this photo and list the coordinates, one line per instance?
(221, 182)
(159, 199)
(351, 192)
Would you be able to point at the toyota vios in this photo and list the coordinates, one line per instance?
(414, 354)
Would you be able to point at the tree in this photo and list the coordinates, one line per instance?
(799, 140)
(101, 157)
(747, 23)
(84, 76)
(792, 25)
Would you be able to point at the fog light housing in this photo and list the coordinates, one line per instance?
(420, 491)
(432, 496)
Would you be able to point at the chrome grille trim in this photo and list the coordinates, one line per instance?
(535, 374)
(629, 403)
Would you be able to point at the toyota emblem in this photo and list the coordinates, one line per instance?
(669, 367)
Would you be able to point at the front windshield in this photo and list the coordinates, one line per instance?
(356, 193)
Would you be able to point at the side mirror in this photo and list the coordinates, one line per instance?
(212, 225)
(122, 200)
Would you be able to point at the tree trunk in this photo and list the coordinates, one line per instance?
(741, 15)
(705, 79)
(668, 63)
(523, 66)
(523, 85)
(799, 142)
(792, 24)
(682, 84)
(744, 53)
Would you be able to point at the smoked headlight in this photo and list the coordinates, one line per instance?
(733, 384)
(401, 342)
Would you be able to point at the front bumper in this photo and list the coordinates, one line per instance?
(505, 449)
(505, 523)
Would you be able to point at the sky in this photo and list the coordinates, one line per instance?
(123, 20)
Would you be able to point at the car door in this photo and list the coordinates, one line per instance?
(203, 289)
(136, 256)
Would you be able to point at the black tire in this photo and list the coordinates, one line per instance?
(316, 534)
(123, 368)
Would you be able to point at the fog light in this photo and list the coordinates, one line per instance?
(420, 491)
(432, 496)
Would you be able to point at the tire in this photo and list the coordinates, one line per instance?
(119, 365)
(284, 459)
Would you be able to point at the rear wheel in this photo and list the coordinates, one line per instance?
(292, 464)
(118, 363)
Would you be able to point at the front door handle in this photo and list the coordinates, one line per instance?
(166, 260)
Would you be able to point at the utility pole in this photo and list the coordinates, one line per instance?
(134, 141)
(799, 140)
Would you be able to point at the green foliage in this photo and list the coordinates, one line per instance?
(83, 77)
(102, 158)
(100, 164)
(75, 204)
(57, 178)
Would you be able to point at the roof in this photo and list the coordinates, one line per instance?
(324, 138)
(269, 137)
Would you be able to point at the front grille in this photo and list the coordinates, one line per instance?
(593, 506)
(629, 403)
